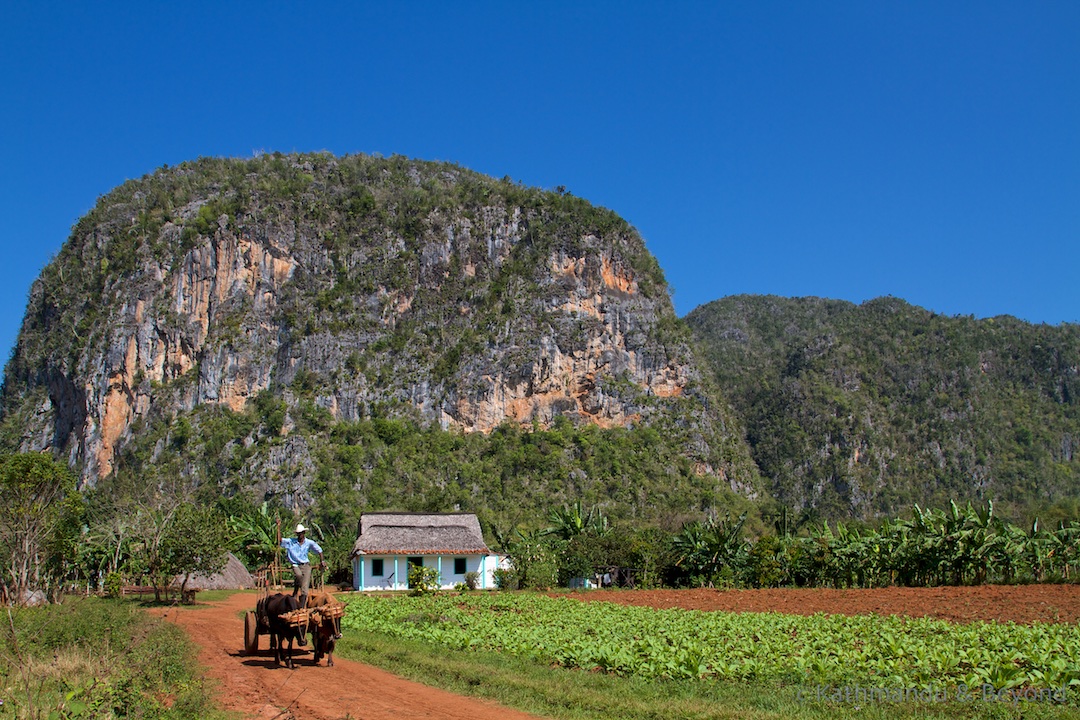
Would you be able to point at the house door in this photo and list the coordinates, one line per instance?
(418, 561)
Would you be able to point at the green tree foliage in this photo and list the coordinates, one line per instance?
(571, 521)
(576, 534)
(960, 545)
(535, 561)
(39, 508)
(176, 540)
(711, 552)
(258, 534)
(152, 529)
(195, 544)
(864, 410)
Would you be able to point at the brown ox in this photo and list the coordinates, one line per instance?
(324, 624)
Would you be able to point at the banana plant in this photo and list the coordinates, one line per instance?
(569, 521)
(703, 549)
(259, 533)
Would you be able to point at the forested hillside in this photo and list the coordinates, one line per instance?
(862, 410)
(361, 333)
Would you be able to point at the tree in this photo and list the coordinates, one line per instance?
(194, 543)
(179, 539)
(535, 560)
(39, 500)
(569, 521)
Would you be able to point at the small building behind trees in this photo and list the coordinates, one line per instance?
(451, 543)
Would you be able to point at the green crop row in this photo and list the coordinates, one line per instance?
(820, 649)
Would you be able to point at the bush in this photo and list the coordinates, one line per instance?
(542, 574)
(114, 583)
(472, 580)
(423, 580)
(506, 579)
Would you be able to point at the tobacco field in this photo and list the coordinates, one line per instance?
(819, 649)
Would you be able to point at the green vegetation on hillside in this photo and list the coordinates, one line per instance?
(361, 305)
(153, 529)
(339, 294)
(509, 477)
(864, 410)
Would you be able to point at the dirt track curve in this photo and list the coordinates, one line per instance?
(254, 687)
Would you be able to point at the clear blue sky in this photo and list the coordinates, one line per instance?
(925, 150)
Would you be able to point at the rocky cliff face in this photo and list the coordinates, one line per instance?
(344, 287)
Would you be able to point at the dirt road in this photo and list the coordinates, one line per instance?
(256, 688)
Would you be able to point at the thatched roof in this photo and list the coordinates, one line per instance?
(233, 577)
(420, 534)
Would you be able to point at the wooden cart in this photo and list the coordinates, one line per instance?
(269, 581)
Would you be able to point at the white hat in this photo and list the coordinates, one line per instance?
(300, 528)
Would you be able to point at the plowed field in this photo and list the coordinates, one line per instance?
(1018, 603)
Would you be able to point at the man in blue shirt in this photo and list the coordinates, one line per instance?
(296, 552)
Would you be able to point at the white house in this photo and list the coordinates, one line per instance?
(390, 542)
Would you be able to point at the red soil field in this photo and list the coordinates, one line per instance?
(1016, 603)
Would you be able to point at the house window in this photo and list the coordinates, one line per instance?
(459, 566)
(376, 567)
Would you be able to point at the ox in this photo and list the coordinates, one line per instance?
(325, 625)
(272, 608)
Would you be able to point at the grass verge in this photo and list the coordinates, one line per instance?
(95, 658)
(578, 695)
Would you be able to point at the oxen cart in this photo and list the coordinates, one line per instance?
(278, 615)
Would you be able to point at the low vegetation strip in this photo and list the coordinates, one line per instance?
(93, 658)
(771, 647)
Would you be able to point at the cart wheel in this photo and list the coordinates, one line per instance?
(251, 633)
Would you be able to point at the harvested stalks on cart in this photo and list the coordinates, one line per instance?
(296, 617)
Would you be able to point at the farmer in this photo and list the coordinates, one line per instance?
(296, 551)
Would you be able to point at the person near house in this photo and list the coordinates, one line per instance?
(297, 552)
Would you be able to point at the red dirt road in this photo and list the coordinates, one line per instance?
(255, 688)
(1018, 603)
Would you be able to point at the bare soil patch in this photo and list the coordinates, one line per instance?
(254, 687)
(1016, 603)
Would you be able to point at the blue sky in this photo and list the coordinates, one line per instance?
(925, 150)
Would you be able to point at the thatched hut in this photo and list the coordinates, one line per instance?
(234, 576)
(390, 542)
